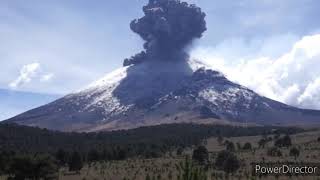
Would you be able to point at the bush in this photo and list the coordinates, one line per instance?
(230, 146)
(294, 152)
(179, 151)
(274, 151)
(227, 161)
(33, 167)
(247, 146)
(262, 143)
(231, 164)
(283, 142)
(222, 156)
(201, 155)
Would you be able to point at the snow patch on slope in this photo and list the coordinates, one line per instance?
(111, 78)
(98, 95)
(230, 95)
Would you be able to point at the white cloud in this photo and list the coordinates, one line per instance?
(292, 78)
(67, 39)
(31, 73)
(311, 95)
(47, 77)
(27, 73)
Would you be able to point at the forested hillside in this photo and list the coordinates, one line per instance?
(27, 152)
(138, 141)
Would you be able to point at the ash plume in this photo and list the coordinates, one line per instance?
(167, 27)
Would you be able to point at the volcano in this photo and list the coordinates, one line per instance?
(161, 85)
(160, 93)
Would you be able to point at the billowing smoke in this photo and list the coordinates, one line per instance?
(167, 27)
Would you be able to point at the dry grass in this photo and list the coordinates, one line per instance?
(164, 168)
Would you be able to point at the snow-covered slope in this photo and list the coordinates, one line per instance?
(153, 93)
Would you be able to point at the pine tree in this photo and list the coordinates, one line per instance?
(62, 156)
(201, 155)
(294, 152)
(75, 163)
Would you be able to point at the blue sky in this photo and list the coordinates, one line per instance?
(58, 46)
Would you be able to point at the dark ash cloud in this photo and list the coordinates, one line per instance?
(167, 27)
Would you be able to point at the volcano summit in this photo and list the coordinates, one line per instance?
(162, 85)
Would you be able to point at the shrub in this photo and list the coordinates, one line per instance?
(227, 161)
(262, 143)
(33, 167)
(222, 156)
(274, 151)
(247, 146)
(283, 142)
(179, 151)
(201, 155)
(294, 152)
(230, 146)
(231, 164)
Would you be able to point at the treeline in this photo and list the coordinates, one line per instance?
(138, 141)
(37, 153)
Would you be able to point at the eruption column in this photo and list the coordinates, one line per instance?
(167, 27)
